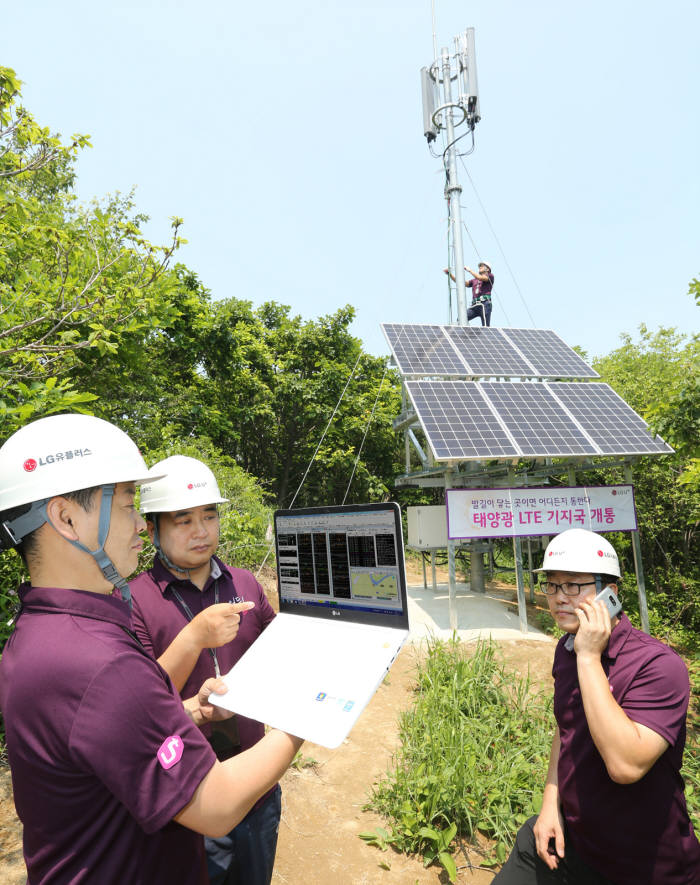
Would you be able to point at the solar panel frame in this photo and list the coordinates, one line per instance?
(550, 356)
(608, 420)
(537, 421)
(458, 422)
(423, 350)
(487, 352)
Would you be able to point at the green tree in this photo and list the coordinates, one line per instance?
(278, 379)
(654, 375)
(72, 278)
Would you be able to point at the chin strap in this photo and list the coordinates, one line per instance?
(17, 529)
(164, 558)
(104, 563)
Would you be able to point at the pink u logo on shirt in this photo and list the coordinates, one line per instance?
(170, 751)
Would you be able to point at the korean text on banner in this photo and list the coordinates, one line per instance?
(507, 513)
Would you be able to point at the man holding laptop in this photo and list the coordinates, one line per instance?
(182, 614)
(112, 778)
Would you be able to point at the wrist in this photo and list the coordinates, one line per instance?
(191, 706)
(588, 659)
(194, 637)
(550, 796)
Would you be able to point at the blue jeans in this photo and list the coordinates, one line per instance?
(247, 855)
(475, 310)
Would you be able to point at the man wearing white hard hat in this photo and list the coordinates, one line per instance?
(613, 808)
(481, 285)
(182, 614)
(113, 780)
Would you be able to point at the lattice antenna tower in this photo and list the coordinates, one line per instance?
(443, 111)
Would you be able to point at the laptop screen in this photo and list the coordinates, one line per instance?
(343, 562)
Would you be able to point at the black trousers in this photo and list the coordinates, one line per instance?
(482, 310)
(525, 867)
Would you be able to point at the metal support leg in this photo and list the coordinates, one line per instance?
(638, 567)
(432, 566)
(522, 609)
(529, 571)
(425, 576)
(453, 585)
(477, 583)
(451, 565)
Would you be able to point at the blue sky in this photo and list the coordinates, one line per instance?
(289, 138)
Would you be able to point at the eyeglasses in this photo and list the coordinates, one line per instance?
(570, 588)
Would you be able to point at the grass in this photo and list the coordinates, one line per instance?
(300, 762)
(691, 758)
(474, 750)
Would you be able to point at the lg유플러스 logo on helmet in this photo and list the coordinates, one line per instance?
(196, 485)
(57, 458)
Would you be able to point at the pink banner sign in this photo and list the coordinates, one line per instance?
(508, 513)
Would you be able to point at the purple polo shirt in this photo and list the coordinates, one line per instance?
(157, 618)
(630, 833)
(103, 756)
(480, 288)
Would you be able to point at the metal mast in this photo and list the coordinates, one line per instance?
(442, 112)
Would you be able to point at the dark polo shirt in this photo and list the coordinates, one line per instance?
(103, 755)
(481, 289)
(157, 618)
(634, 834)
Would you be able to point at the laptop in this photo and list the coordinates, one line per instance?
(342, 621)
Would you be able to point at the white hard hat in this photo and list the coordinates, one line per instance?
(65, 453)
(487, 263)
(579, 550)
(186, 482)
(62, 454)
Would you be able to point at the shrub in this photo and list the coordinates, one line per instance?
(473, 756)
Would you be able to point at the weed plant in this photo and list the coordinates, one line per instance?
(473, 756)
(691, 757)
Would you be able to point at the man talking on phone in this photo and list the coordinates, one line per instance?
(613, 808)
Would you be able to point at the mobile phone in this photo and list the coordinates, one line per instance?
(610, 600)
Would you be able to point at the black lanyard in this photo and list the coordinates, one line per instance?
(224, 738)
(188, 614)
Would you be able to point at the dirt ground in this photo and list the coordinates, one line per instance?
(322, 804)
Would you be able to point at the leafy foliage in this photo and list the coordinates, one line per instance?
(72, 278)
(281, 378)
(658, 376)
(473, 753)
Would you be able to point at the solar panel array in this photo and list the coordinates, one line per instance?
(458, 422)
(466, 420)
(535, 420)
(549, 354)
(486, 352)
(607, 419)
(482, 352)
(424, 346)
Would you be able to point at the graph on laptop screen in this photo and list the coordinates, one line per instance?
(347, 560)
